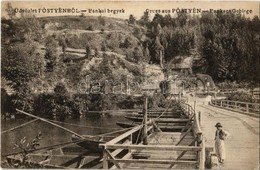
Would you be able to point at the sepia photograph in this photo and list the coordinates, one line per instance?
(130, 84)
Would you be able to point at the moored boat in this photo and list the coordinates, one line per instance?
(163, 126)
(165, 120)
(91, 142)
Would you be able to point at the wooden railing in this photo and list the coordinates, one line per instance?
(244, 107)
(227, 91)
(197, 132)
(123, 143)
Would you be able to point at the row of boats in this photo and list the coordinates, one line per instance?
(168, 121)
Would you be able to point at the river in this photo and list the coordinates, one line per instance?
(53, 135)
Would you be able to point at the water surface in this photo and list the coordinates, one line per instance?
(54, 135)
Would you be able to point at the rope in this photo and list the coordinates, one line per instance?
(68, 143)
(139, 132)
(165, 109)
(18, 126)
(44, 120)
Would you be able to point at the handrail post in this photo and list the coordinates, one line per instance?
(247, 107)
(105, 161)
(201, 154)
(145, 120)
(194, 105)
(199, 138)
(199, 117)
(221, 103)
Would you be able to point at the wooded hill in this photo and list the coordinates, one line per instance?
(41, 54)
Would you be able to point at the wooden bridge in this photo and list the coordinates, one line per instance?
(184, 149)
(240, 119)
(147, 147)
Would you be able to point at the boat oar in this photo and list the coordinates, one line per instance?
(44, 120)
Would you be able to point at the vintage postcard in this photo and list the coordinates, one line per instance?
(130, 84)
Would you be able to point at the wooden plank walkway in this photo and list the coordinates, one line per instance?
(242, 147)
(163, 138)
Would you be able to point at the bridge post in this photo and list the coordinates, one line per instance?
(199, 114)
(194, 106)
(105, 156)
(247, 108)
(236, 105)
(221, 104)
(201, 154)
(145, 120)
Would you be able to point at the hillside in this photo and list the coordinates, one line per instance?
(49, 60)
(109, 37)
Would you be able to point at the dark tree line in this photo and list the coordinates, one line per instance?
(228, 44)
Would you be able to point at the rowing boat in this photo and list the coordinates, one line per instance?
(160, 120)
(167, 127)
(91, 142)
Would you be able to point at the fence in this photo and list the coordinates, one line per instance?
(244, 107)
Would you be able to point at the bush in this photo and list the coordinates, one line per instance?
(240, 96)
(101, 21)
(90, 28)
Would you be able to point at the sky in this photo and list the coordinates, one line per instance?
(126, 8)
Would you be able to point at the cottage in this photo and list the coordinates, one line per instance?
(181, 65)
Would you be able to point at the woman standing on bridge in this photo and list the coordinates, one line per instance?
(220, 136)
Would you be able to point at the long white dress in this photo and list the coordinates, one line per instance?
(220, 145)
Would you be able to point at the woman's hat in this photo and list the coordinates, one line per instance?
(218, 125)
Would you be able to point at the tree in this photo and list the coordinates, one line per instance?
(158, 51)
(19, 63)
(103, 46)
(138, 55)
(145, 21)
(102, 20)
(131, 20)
(6, 103)
(126, 44)
(63, 43)
(44, 105)
(157, 30)
(25, 28)
(96, 52)
(10, 11)
(167, 20)
(182, 19)
(51, 54)
(146, 53)
(61, 90)
(157, 19)
(88, 51)
(23, 99)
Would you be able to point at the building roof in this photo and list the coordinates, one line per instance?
(181, 62)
